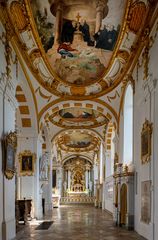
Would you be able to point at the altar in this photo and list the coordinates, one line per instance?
(78, 194)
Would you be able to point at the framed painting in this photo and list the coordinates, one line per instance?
(9, 145)
(27, 162)
(146, 135)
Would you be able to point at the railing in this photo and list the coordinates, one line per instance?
(77, 199)
(123, 170)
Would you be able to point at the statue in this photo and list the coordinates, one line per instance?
(65, 186)
(78, 183)
(44, 167)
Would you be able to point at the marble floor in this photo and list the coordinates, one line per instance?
(77, 223)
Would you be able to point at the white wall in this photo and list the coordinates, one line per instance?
(7, 124)
(29, 186)
(145, 107)
(108, 186)
(109, 190)
(128, 126)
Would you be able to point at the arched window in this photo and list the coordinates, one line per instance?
(128, 126)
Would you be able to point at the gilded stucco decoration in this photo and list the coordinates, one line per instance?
(24, 108)
(10, 59)
(77, 141)
(98, 114)
(77, 117)
(26, 163)
(9, 146)
(145, 57)
(146, 141)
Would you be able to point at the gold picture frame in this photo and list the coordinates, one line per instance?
(146, 136)
(9, 146)
(27, 163)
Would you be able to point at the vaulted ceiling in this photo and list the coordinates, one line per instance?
(77, 57)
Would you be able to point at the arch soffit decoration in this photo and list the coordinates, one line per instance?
(77, 141)
(27, 107)
(24, 108)
(108, 141)
(26, 76)
(97, 105)
(61, 132)
(75, 156)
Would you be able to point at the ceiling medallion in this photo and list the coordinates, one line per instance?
(77, 117)
(77, 141)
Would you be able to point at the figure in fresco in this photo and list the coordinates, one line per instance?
(77, 115)
(86, 115)
(68, 32)
(84, 28)
(65, 26)
(65, 50)
(111, 38)
(100, 37)
(106, 37)
(45, 29)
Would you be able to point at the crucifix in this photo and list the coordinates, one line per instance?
(78, 17)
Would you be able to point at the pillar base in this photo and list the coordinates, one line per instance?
(8, 229)
(130, 222)
(96, 203)
(100, 205)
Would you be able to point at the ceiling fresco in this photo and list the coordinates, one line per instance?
(78, 44)
(77, 141)
(78, 117)
(80, 48)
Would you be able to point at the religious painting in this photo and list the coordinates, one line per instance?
(146, 142)
(78, 117)
(9, 145)
(77, 140)
(78, 114)
(79, 37)
(27, 161)
(146, 202)
(78, 180)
